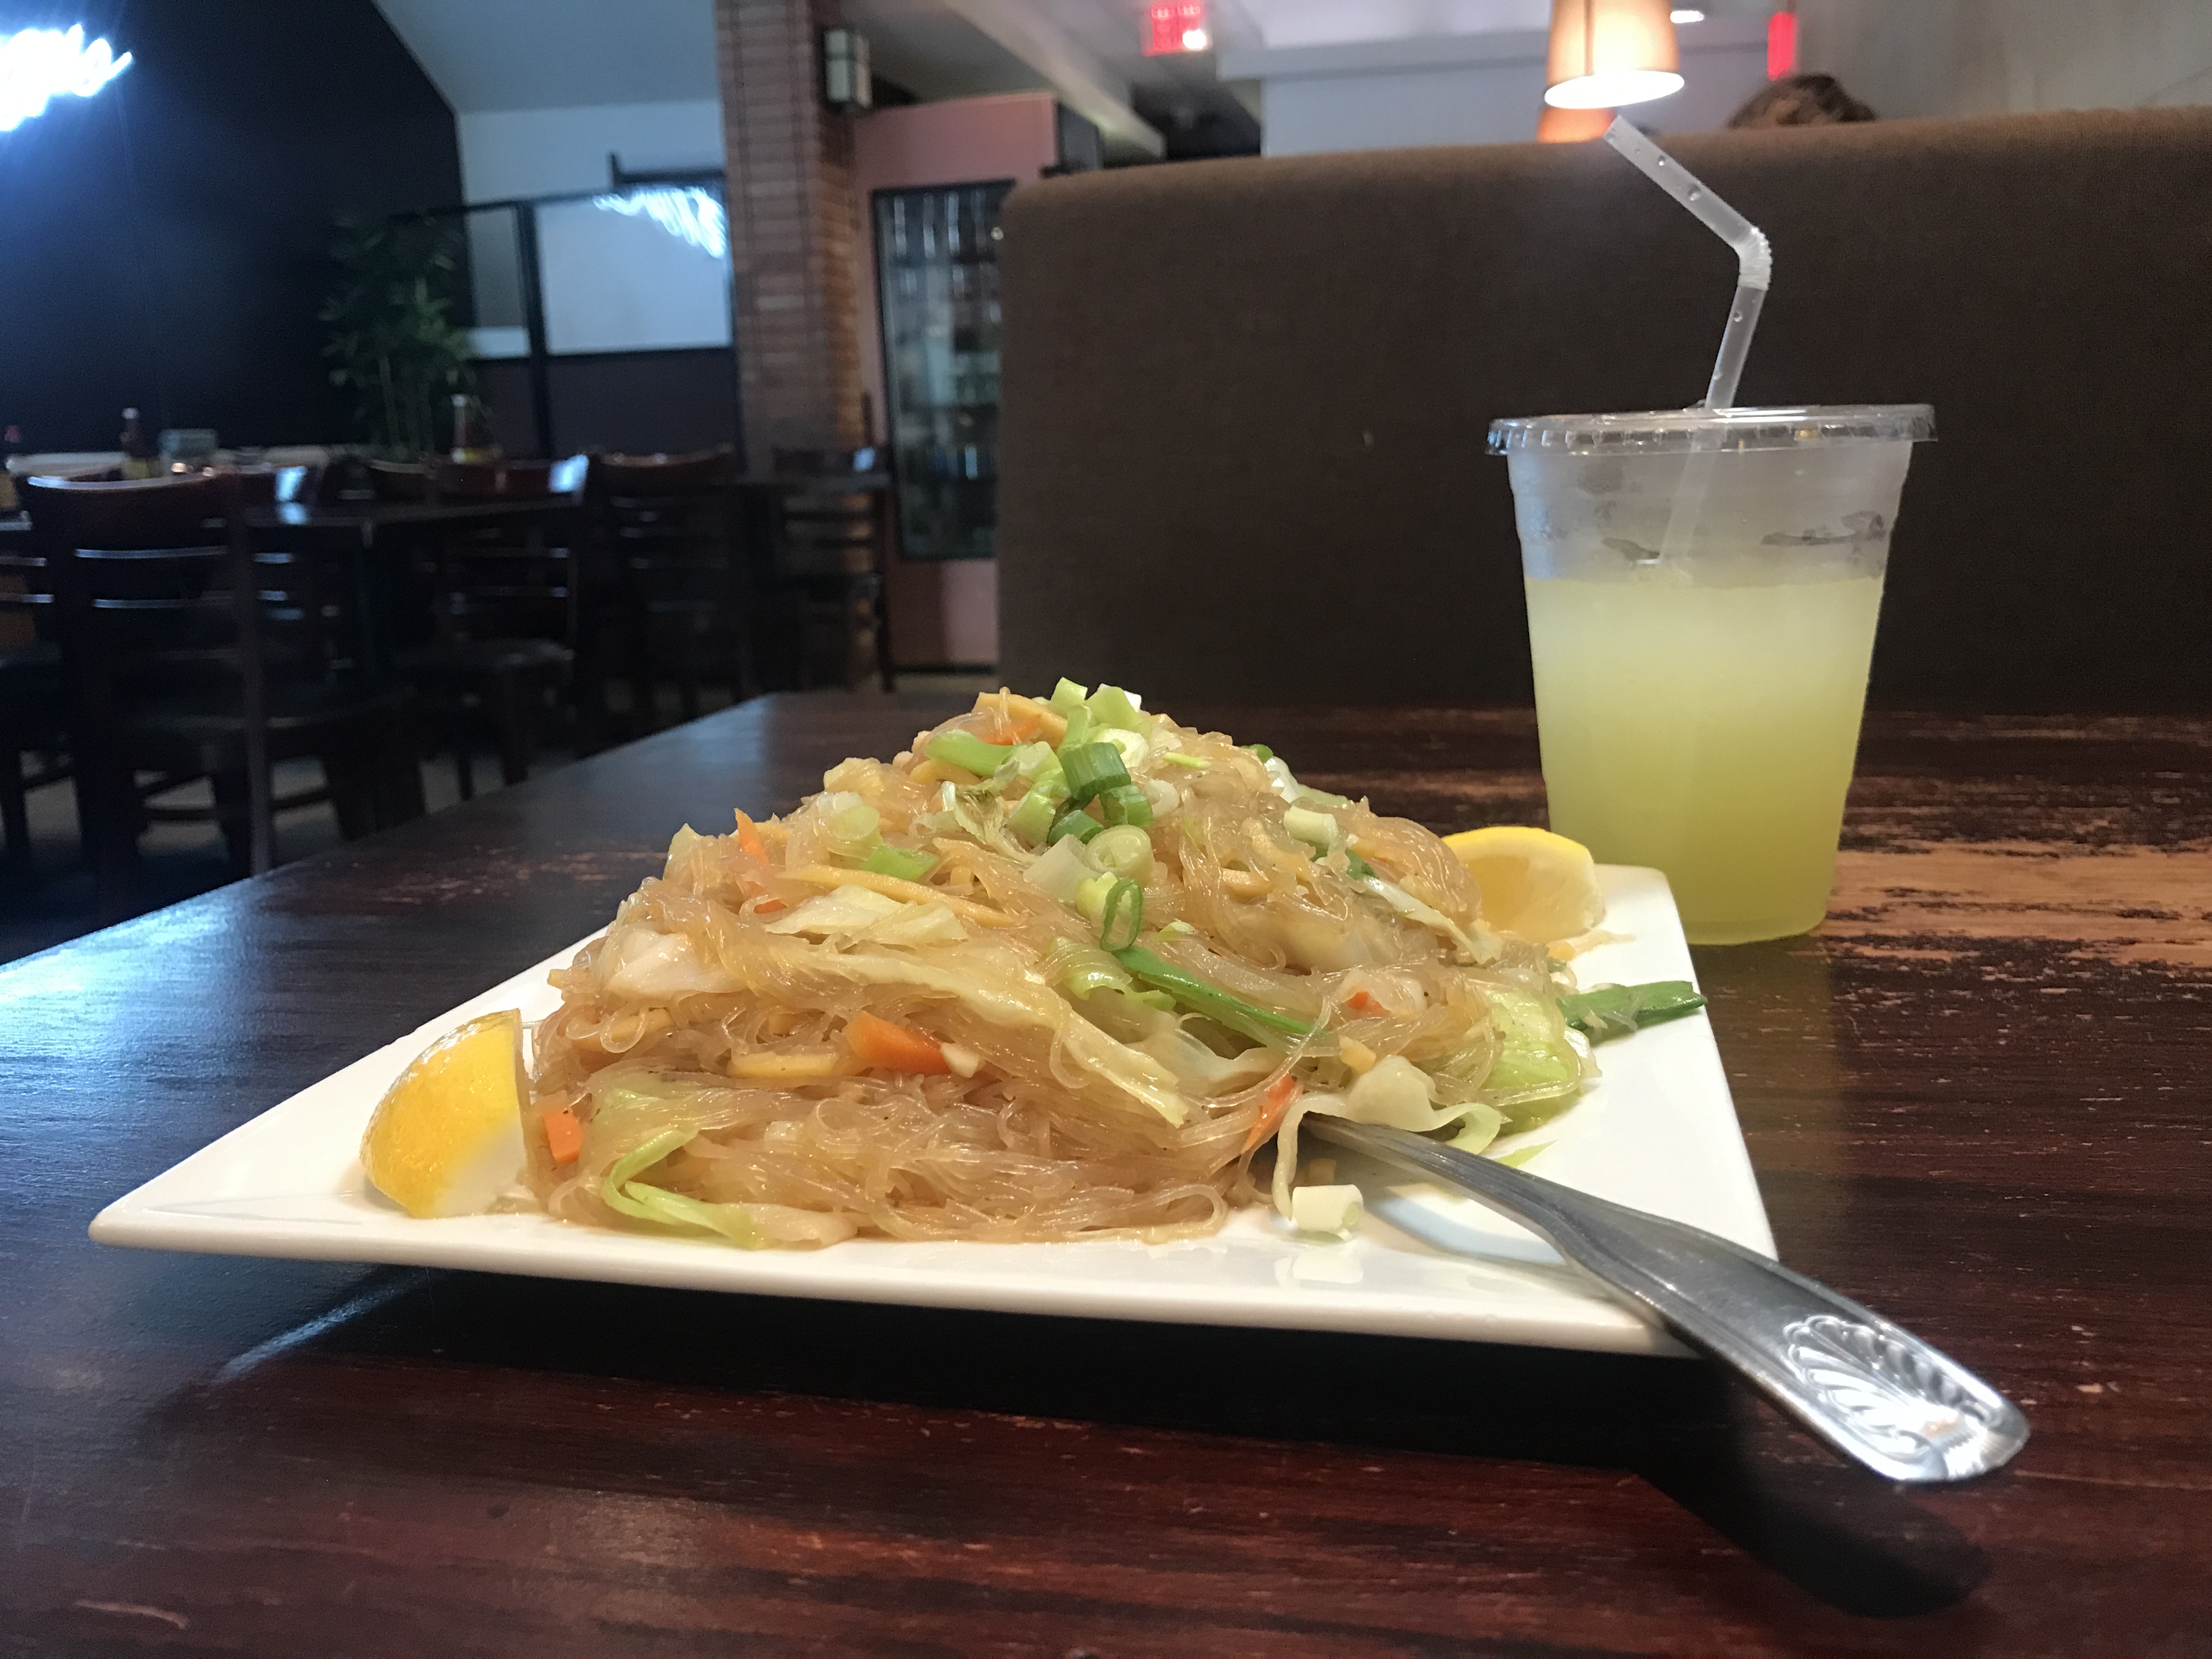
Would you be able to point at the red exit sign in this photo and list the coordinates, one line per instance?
(1176, 26)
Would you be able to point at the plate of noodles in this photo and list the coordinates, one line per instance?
(1028, 1018)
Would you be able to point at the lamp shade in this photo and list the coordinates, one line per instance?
(1571, 126)
(1609, 52)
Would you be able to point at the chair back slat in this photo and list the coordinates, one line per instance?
(829, 546)
(189, 653)
(178, 610)
(670, 597)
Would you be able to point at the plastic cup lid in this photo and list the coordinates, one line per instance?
(1664, 430)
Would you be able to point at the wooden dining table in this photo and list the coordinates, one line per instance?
(1976, 1099)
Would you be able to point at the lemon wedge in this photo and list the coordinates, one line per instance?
(1539, 885)
(446, 1138)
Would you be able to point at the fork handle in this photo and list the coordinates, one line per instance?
(1871, 1388)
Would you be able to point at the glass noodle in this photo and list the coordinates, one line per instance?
(784, 1041)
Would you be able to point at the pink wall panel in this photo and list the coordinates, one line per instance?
(942, 612)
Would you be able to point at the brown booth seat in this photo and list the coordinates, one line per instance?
(1245, 400)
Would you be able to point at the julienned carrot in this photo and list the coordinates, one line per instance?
(1364, 1002)
(877, 1041)
(564, 1135)
(770, 906)
(749, 837)
(1273, 1104)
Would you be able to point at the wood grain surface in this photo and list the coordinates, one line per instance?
(1975, 1099)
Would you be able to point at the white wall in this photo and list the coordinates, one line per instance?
(547, 152)
(1469, 89)
(1333, 22)
(1451, 104)
(551, 54)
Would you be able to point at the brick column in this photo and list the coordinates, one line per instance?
(794, 228)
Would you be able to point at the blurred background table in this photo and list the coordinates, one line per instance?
(1973, 1100)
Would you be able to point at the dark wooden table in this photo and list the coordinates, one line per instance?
(1976, 1100)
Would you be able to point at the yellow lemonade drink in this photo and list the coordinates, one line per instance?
(1708, 730)
(1702, 587)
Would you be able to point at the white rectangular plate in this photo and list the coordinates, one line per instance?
(1657, 1131)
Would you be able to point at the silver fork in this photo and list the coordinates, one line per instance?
(1871, 1389)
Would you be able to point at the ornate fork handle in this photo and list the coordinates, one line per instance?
(1871, 1389)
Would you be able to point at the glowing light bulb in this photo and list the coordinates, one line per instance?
(1611, 88)
(40, 65)
(1196, 40)
(1606, 54)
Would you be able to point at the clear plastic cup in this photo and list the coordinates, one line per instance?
(1702, 586)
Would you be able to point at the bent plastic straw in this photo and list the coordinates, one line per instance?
(1755, 258)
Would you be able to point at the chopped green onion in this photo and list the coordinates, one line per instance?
(853, 832)
(1079, 824)
(1610, 1011)
(1110, 706)
(1358, 867)
(1032, 820)
(1132, 744)
(1033, 761)
(1126, 804)
(1089, 768)
(1196, 763)
(906, 863)
(1124, 850)
(968, 751)
(1090, 896)
(1316, 830)
(1082, 727)
(1261, 1025)
(1079, 969)
(1123, 917)
(1261, 750)
(1067, 696)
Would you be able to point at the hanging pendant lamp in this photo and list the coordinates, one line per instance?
(1571, 126)
(1609, 52)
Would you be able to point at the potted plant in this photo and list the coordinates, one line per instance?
(393, 338)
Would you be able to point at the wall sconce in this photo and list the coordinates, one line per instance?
(846, 85)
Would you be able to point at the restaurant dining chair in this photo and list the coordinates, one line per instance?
(828, 550)
(31, 723)
(186, 656)
(680, 597)
(505, 605)
(31, 703)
